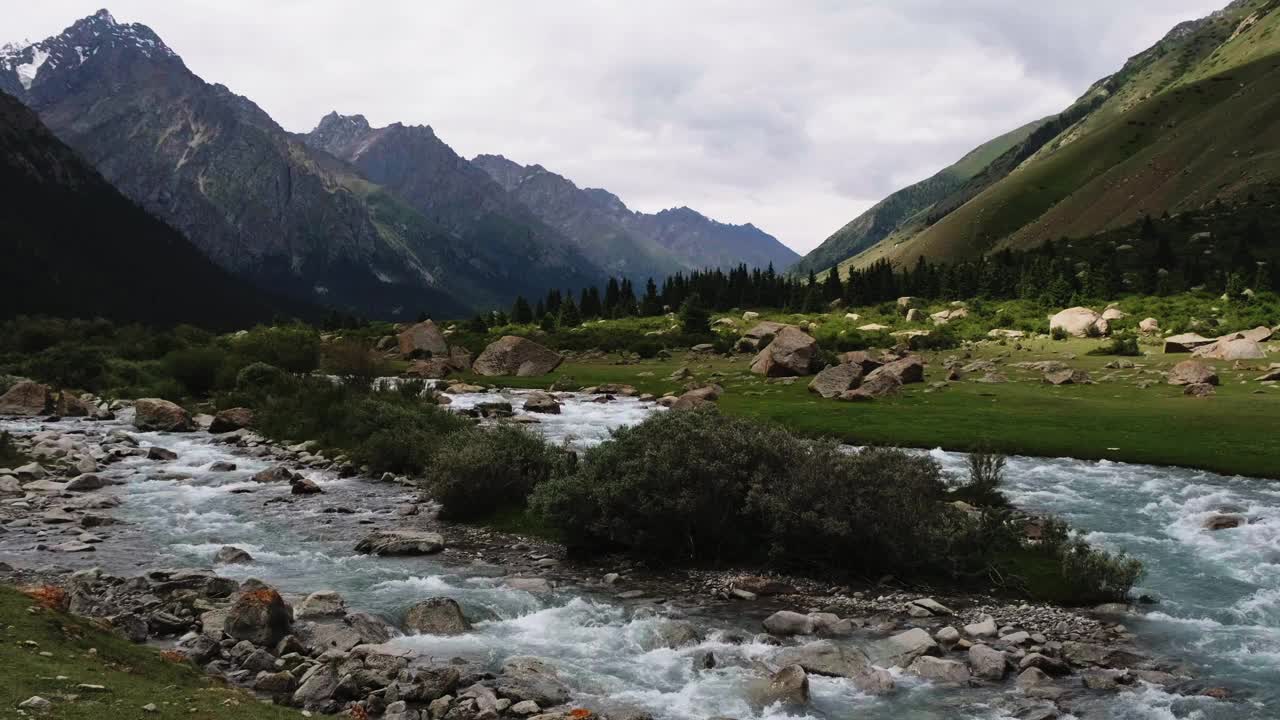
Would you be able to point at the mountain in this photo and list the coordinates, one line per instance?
(626, 242)
(74, 246)
(507, 242)
(1188, 122)
(905, 206)
(261, 202)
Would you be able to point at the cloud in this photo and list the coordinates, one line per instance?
(794, 116)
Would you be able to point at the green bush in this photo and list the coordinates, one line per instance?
(293, 348)
(1123, 345)
(481, 471)
(9, 455)
(261, 378)
(197, 369)
(70, 365)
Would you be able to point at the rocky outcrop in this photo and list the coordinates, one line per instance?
(517, 356)
(792, 352)
(836, 379)
(1080, 322)
(1192, 372)
(26, 398)
(161, 415)
(436, 616)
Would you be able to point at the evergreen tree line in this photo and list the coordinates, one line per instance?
(1045, 274)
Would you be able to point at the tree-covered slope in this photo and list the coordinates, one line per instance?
(72, 245)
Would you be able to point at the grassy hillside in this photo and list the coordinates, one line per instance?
(1186, 122)
(890, 214)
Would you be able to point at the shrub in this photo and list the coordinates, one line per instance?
(70, 365)
(355, 361)
(294, 348)
(672, 488)
(694, 317)
(1125, 345)
(197, 368)
(1095, 574)
(480, 471)
(261, 378)
(986, 475)
(1058, 333)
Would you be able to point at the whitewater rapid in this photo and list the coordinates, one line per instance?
(1218, 593)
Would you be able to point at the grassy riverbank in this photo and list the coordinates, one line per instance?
(1114, 419)
(87, 673)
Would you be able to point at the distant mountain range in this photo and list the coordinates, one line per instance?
(631, 243)
(385, 222)
(1192, 120)
(72, 245)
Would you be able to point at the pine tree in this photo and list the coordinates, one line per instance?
(569, 315)
(651, 304)
(520, 312)
(694, 318)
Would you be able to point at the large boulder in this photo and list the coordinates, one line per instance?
(705, 396)
(1149, 326)
(432, 369)
(874, 386)
(436, 616)
(540, 402)
(826, 658)
(791, 353)
(530, 678)
(259, 616)
(1231, 347)
(903, 648)
(1259, 334)
(511, 355)
(909, 369)
(230, 420)
(1192, 372)
(836, 379)
(940, 670)
(423, 338)
(401, 542)
(1185, 343)
(987, 662)
(26, 398)
(788, 686)
(862, 359)
(1067, 377)
(157, 414)
(760, 334)
(1080, 322)
(786, 622)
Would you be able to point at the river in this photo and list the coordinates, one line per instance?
(1218, 593)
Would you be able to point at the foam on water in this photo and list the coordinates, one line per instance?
(1219, 592)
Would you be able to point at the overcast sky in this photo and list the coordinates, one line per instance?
(794, 116)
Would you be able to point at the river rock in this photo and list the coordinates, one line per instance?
(401, 542)
(1221, 521)
(984, 628)
(511, 355)
(939, 670)
(436, 616)
(987, 662)
(230, 555)
(1033, 678)
(316, 687)
(786, 622)
(322, 603)
(1051, 666)
(676, 634)
(1080, 322)
(160, 454)
(26, 398)
(826, 658)
(788, 686)
(157, 414)
(836, 379)
(791, 353)
(85, 483)
(230, 420)
(540, 402)
(875, 681)
(275, 683)
(1192, 372)
(903, 648)
(530, 678)
(259, 616)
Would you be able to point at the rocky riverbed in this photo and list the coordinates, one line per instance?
(264, 564)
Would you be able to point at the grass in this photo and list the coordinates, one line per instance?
(69, 652)
(1231, 433)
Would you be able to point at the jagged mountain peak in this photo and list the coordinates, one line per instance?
(32, 64)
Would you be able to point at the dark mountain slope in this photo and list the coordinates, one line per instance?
(72, 245)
